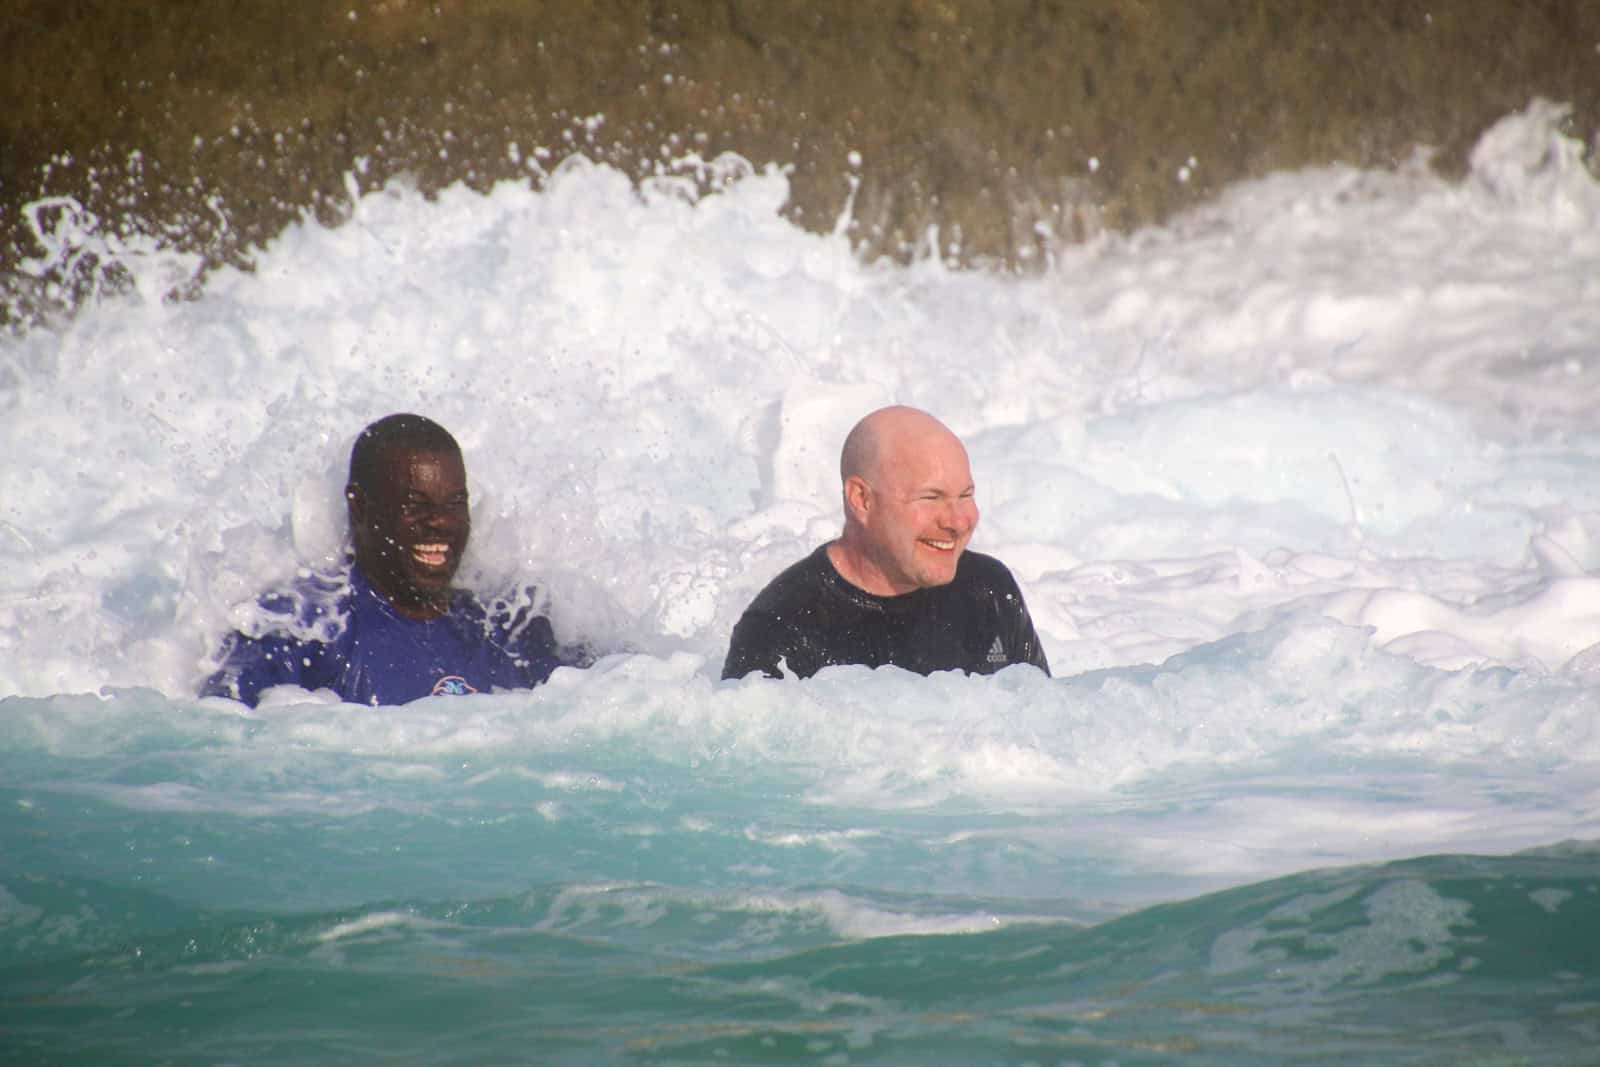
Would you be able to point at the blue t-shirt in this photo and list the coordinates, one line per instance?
(341, 634)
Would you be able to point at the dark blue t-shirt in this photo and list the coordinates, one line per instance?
(341, 634)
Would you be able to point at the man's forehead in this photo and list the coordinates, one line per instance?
(940, 466)
(400, 462)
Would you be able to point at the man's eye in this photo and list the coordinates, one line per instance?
(412, 509)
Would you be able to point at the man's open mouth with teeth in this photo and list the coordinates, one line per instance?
(433, 555)
(429, 565)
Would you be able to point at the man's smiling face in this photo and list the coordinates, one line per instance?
(410, 527)
(922, 512)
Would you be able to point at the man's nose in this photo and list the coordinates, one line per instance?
(443, 518)
(959, 515)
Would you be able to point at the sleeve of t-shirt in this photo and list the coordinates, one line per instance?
(536, 653)
(1023, 636)
(756, 645)
(252, 664)
(1029, 640)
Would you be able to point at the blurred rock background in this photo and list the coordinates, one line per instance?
(999, 125)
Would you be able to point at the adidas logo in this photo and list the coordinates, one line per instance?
(997, 652)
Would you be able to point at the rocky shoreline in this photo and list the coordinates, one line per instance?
(989, 128)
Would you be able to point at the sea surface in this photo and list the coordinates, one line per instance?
(1303, 490)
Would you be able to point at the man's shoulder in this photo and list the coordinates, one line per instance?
(310, 606)
(467, 606)
(286, 635)
(980, 570)
(506, 609)
(514, 620)
(787, 621)
(804, 580)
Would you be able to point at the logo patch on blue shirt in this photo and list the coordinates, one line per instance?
(452, 685)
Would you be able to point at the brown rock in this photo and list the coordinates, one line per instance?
(216, 122)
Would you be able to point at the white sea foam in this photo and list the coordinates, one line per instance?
(383, 920)
(1308, 479)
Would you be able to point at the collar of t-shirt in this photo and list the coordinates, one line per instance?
(363, 591)
(888, 605)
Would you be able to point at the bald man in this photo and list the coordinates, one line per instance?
(898, 588)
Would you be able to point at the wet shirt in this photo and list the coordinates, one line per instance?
(809, 617)
(345, 636)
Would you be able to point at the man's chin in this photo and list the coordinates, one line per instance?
(934, 576)
(941, 570)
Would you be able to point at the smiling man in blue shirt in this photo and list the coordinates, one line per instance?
(391, 628)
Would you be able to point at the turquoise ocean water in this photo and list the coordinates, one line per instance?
(645, 866)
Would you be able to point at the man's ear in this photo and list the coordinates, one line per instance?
(857, 497)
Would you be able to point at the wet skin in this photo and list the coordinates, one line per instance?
(912, 513)
(410, 528)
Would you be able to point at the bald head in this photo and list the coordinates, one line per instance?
(887, 434)
(909, 508)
